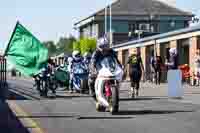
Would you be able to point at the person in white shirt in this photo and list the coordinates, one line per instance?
(197, 66)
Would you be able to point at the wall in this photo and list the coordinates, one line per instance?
(118, 26)
(165, 26)
(122, 27)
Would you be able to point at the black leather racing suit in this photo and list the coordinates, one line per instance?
(96, 59)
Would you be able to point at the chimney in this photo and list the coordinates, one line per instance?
(169, 2)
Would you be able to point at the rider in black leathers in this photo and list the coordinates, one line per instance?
(102, 51)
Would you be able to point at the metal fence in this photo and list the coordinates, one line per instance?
(3, 79)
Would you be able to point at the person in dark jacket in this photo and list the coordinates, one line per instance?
(135, 72)
(102, 51)
(172, 64)
(157, 64)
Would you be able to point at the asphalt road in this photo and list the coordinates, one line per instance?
(76, 113)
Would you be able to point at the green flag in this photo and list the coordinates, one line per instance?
(26, 52)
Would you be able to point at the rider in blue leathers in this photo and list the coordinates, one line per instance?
(76, 58)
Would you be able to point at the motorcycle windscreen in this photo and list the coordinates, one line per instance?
(113, 67)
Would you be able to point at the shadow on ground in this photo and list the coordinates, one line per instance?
(149, 112)
(72, 96)
(9, 122)
(102, 118)
(14, 96)
(143, 98)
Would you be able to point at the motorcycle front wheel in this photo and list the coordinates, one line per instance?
(84, 86)
(44, 88)
(100, 108)
(114, 100)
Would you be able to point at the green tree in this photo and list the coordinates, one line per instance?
(76, 45)
(51, 47)
(85, 45)
(65, 45)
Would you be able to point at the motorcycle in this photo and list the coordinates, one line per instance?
(62, 77)
(44, 82)
(107, 85)
(80, 77)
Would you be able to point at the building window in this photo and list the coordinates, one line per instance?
(95, 31)
(145, 27)
(132, 27)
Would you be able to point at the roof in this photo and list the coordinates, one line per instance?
(141, 7)
(160, 36)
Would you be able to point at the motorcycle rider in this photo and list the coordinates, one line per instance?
(102, 51)
(76, 58)
(86, 58)
(50, 69)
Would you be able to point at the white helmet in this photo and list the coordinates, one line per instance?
(173, 51)
(86, 55)
(62, 65)
(43, 69)
(76, 55)
(102, 43)
(70, 59)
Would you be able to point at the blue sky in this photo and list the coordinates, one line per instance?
(50, 19)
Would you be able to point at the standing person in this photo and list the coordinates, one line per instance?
(157, 69)
(172, 63)
(174, 76)
(152, 67)
(69, 67)
(135, 72)
(197, 66)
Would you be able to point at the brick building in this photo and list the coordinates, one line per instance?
(186, 40)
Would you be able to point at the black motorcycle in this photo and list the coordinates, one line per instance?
(44, 82)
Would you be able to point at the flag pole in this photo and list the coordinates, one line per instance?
(8, 45)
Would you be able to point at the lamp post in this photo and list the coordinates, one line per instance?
(111, 35)
(110, 31)
(106, 20)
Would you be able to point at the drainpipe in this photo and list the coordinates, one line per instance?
(155, 48)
